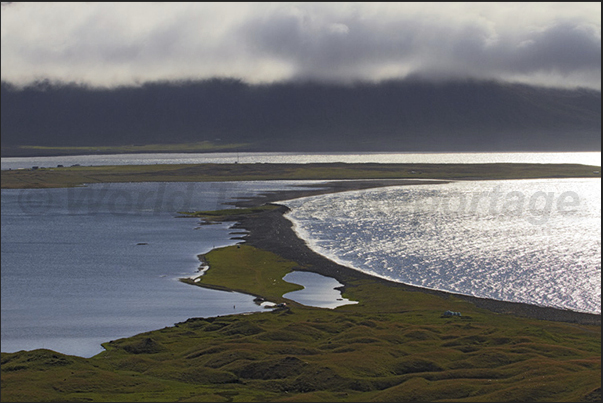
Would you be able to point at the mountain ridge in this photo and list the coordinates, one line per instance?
(405, 115)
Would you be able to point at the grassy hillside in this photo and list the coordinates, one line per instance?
(393, 345)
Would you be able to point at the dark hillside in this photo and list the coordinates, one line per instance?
(390, 116)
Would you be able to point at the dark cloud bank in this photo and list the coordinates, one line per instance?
(408, 115)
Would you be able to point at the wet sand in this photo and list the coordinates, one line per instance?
(271, 231)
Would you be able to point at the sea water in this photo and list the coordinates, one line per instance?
(83, 266)
(531, 241)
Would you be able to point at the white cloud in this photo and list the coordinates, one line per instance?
(107, 44)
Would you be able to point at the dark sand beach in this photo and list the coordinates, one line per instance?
(273, 232)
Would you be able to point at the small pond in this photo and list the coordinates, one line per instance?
(319, 291)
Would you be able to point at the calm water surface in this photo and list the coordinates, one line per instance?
(74, 276)
(319, 291)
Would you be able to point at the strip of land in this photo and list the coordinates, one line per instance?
(269, 230)
(81, 175)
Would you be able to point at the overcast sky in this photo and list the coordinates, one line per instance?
(108, 44)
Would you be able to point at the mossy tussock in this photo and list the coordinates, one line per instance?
(144, 346)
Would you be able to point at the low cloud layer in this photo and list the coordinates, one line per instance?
(110, 44)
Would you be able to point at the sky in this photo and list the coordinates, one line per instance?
(123, 44)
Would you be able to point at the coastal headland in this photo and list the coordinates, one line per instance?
(394, 345)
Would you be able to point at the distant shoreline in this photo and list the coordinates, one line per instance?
(76, 175)
(273, 232)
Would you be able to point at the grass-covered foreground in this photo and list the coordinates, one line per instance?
(393, 345)
(49, 177)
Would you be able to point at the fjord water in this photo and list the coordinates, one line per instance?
(531, 241)
(73, 272)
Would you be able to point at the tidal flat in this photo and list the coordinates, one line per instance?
(395, 344)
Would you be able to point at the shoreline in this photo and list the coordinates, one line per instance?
(273, 232)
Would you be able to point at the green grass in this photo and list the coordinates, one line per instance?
(77, 176)
(249, 270)
(392, 346)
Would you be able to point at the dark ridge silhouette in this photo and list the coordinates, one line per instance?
(407, 115)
